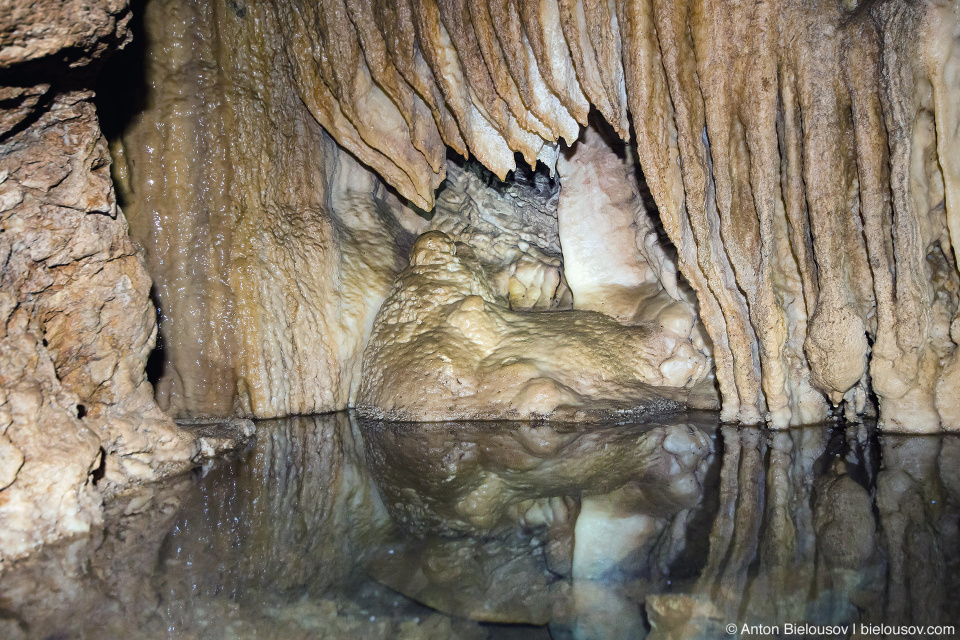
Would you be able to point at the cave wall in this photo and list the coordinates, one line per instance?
(270, 248)
(77, 415)
(801, 155)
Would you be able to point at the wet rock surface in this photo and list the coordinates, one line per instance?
(799, 161)
(339, 527)
(801, 157)
(445, 346)
(270, 247)
(77, 415)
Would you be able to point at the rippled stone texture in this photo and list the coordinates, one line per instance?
(577, 528)
(800, 156)
(270, 247)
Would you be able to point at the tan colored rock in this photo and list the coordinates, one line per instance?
(270, 247)
(424, 134)
(511, 228)
(81, 31)
(541, 24)
(526, 72)
(395, 21)
(613, 259)
(798, 155)
(445, 347)
(77, 415)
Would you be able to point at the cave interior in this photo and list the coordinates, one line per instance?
(479, 318)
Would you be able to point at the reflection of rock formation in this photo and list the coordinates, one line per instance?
(812, 531)
(476, 478)
(266, 546)
(98, 584)
(298, 512)
(504, 518)
(918, 502)
(445, 345)
(806, 526)
(578, 529)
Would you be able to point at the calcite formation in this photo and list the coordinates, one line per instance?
(799, 155)
(512, 230)
(270, 248)
(798, 159)
(767, 198)
(614, 260)
(480, 323)
(444, 345)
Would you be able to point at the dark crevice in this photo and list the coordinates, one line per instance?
(101, 469)
(156, 363)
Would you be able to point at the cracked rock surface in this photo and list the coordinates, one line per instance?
(77, 415)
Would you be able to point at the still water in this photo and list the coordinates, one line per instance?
(673, 527)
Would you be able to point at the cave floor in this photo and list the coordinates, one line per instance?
(334, 526)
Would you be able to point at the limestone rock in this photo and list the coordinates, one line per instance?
(270, 247)
(799, 155)
(614, 260)
(444, 347)
(512, 230)
(77, 416)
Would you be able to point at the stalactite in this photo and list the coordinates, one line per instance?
(761, 136)
(799, 155)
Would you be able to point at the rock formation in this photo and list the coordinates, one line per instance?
(270, 248)
(76, 409)
(762, 196)
(479, 325)
(445, 346)
(797, 158)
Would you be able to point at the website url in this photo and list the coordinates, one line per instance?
(901, 630)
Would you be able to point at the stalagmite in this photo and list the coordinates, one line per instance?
(445, 344)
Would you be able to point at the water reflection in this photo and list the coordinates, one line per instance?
(329, 527)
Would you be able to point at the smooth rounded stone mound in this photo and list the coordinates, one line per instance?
(445, 346)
